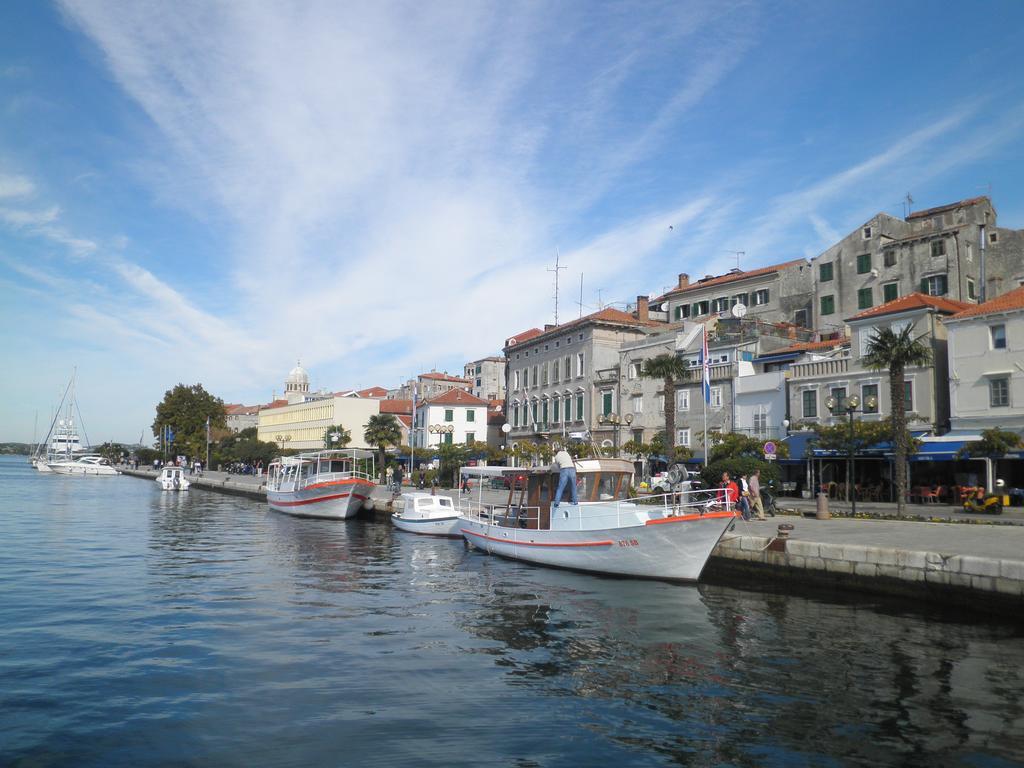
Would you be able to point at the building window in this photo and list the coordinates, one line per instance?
(554, 372)
(800, 318)
(533, 378)
(889, 258)
(660, 399)
(716, 397)
(908, 396)
(515, 380)
(555, 403)
(633, 371)
(470, 437)
(993, 237)
(606, 402)
(526, 414)
(683, 400)
(938, 247)
(739, 298)
(863, 263)
(825, 272)
(543, 411)
(544, 375)
(864, 298)
(760, 297)
(999, 393)
(828, 304)
(470, 414)
(998, 336)
(839, 396)
(867, 391)
(936, 285)
(890, 292)
(579, 365)
(700, 308)
(568, 408)
(580, 413)
(638, 404)
(683, 437)
(972, 292)
(810, 403)
(534, 409)
(761, 424)
(515, 414)
(866, 233)
(568, 368)
(449, 414)
(722, 304)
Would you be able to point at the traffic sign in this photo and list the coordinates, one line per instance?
(769, 448)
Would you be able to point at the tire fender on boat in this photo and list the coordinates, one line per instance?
(368, 505)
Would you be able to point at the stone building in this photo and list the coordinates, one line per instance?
(488, 377)
(428, 385)
(781, 293)
(239, 417)
(455, 416)
(938, 251)
(564, 378)
(302, 424)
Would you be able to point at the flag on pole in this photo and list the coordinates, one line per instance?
(706, 365)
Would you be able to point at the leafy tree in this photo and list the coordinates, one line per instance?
(113, 452)
(185, 409)
(146, 455)
(344, 437)
(669, 369)
(739, 454)
(894, 351)
(994, 442)
(636, 448)
(381, 431)
(453, 456)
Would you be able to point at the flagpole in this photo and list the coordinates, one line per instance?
(705, 391)
(412, 435)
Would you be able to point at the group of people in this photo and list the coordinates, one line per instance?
(394, 476)
(746, 495)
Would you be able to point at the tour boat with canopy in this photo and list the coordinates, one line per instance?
(667, 536)
(332, 484)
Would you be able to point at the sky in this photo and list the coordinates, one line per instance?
(208, 191)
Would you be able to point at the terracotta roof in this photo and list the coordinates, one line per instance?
(234, 409)
(1005, 303)
(730, 277)
(405, 418)
(435, 376)
(396, 406)
(606, 315)
(950, 207)
(809, 346)
(524, 336)
(372, 392)
(276, 404)
(914, 301)
(457, 397)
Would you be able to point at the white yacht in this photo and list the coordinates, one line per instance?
(428, 514)
(85, 465)
(173, 478)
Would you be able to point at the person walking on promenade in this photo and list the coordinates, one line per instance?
(730, 491)
(744, 497)
(398, 479)
(755, 494)
(566, 476)
(423, 479)
(390, 477)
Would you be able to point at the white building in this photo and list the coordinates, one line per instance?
(453, 417)
(986, 365)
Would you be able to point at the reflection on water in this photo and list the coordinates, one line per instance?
(142, 627)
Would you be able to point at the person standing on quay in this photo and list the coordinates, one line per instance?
(755, 494)
(398, 479)
(390, 475)
(566, 475)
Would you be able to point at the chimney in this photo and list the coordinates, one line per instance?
(642, 309)
(684, 280)
(548, 327)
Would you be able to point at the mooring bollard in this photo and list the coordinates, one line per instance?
(822, 513)
(784, 529)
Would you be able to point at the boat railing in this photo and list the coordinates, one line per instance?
(502, 515)
(616, 512)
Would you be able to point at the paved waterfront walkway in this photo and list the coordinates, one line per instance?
(1010, 515)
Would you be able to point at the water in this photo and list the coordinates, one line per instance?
(146, 628)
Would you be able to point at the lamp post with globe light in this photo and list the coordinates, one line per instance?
(851, 405)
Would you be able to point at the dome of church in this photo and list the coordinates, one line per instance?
(298, 379)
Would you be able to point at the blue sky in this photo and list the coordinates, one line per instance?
(196, 191)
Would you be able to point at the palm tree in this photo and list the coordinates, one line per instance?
(669, 369)
(894, 351)
(381, 431)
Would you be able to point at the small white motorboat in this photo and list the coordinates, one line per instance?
(427, 514)
(86, 465)
(173, 479)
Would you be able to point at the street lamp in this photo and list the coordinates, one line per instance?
(851, 405)
(615, 421)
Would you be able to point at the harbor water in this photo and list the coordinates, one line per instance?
(148, 628)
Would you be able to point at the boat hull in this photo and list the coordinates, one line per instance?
(334, 500)
(438, 526)
(83, 470)
(671, 548)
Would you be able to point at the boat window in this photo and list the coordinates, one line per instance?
(606, 487)
(445, 502)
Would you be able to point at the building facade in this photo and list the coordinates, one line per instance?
(986, 365)
(239, 417)
(456, 416)
(565, 378)
(487, 376)
(301, 425)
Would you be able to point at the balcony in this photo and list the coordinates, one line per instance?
(719, 372)
(839, 366)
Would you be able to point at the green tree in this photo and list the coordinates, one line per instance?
(113, 452)
(185, 409)
(894, 351)
(381, 431)
(669, 369)
(452, 456)
(739, 454)
(344, 437)
(994, 443)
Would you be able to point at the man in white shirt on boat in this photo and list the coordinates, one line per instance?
(566, 475)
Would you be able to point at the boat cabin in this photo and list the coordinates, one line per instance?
(596, 480)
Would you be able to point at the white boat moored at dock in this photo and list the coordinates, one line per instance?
(85, 465)
(333, 484)
(670, 536)
(173, 479)
(427, 514)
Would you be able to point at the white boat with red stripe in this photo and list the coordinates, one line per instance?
(669, 536)
(332, 484)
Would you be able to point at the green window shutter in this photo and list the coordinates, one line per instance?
(863, 263)
(924, 285)
(471, 415)
(890, 291)
(449, 415)
(864, 298)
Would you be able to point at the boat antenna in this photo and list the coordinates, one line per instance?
(82, 424)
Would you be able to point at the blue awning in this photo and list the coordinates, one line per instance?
(946, 451)
(797, 442)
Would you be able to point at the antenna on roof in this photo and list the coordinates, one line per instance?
(556, 269)
(908, 201)
(581, 294)
(738, 255)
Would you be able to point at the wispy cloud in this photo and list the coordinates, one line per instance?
(15, 186)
